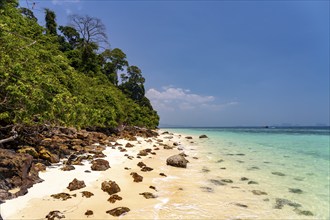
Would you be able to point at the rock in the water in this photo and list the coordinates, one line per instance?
(252, 182)
(137, 178)
(303, 212)
(281, 202)
(146, 169)
(241, 205)
(163, 174)
(76, 184)
(100, 165)
(258, 192)
(217, 182)
(87, 194)
(63, 196)
(188, 137)
(67, 168)
(203, 136)
(244, 178)
(175, 144)
(152, 187)
(177, 161)
(207, 189)
(114, 198)
(89, 212)
(54, 215)
(205, 170)
(227, 180)
(118, 211)
(294, 190)
(148, 195)
(278, 173)
(111, 187)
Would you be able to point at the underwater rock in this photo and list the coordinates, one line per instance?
(118, 211)
(205, 170)
(253, 168)
(279, 203)
(258, 192)
(240, 154)
(241, 205)
(217, 182)
(303, 212)
(295, 190)
(203, 136)
(299, 178)
(206, 189)
(220, 161)
(227, 180)
(278, 173)
(252, 182)
(244, 178)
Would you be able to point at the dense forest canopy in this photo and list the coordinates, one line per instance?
(63, 75)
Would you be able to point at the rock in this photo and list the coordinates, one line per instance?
(258, 192)
(137, 178)
(189, 138)
(76, 184)
(241, 205)
(162, 174)
(177, 161)
(303, 212)
(240, 154)
(294, 190)
(148, 195)
(118, 211)
(196, 158)
(217, 182)
(175, 144)
(253, 168)
(244, 179)
(146, 169)
(166, 147)
(220, 161)
(227, 180)
(68, 168)
(206, 189)
(46, 155)
(143, 153)
(114, 198)
(29, 150)
(252, 182)
(278, 173)
(152, 187)
(203, 136)
(100, 165)
(87, 171)
(205, 170)
(281, 202)
(111, 187)
(89, 212)
(129, 145)
(87, 194)
(54, 215)
(39, 167)
(141, 164)
(63, 196)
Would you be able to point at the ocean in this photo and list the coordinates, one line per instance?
(259, 173)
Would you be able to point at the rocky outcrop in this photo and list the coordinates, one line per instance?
(114, 198)
(177, 161)
(118, 211)
(76, 184)
(87, 194)
(100, 165)
(111, 187)
(62, 196)
(54, 215)
(16, 171)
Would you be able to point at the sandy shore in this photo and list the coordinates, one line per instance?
(37, 203)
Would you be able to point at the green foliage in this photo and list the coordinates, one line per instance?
(46, 78)
(51, 24)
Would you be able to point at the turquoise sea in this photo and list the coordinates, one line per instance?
(290, 164)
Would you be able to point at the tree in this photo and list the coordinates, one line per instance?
(51, 24)
(91, 29)
(114, 60)
(28, 13)
(133, 83)
(70, 38)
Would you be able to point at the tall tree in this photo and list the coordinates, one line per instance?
(51, 24)
(133, 83)
(69, 39)
(114, 60)
(91, 29)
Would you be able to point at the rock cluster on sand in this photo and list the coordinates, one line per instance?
(177, 161)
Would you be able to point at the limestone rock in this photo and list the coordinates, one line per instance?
(76, 184)
(100, 165)
(137, 178)
(146, 169)
(177, 161)
(54, 215)
(111, 187)
(114, 198)
(87, 194)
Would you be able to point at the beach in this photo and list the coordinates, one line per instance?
(210, 187)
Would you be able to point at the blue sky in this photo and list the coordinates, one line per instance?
(221, 63)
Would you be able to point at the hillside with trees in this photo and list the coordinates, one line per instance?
(66, 75)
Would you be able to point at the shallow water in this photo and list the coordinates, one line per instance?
(281, 165)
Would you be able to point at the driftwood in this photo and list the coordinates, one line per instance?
(11, 138)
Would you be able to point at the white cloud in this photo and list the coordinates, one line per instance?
(171, 99)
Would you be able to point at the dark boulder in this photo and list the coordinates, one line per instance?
(177, 161)
(111, 187)
(62, 196)
(89, 212)
(100, 165)
(137, 178)
(114, 198)
(118, 211)
(54, 215)
(76, 184)
(87, 194)
(148, 195)
(203, 136)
